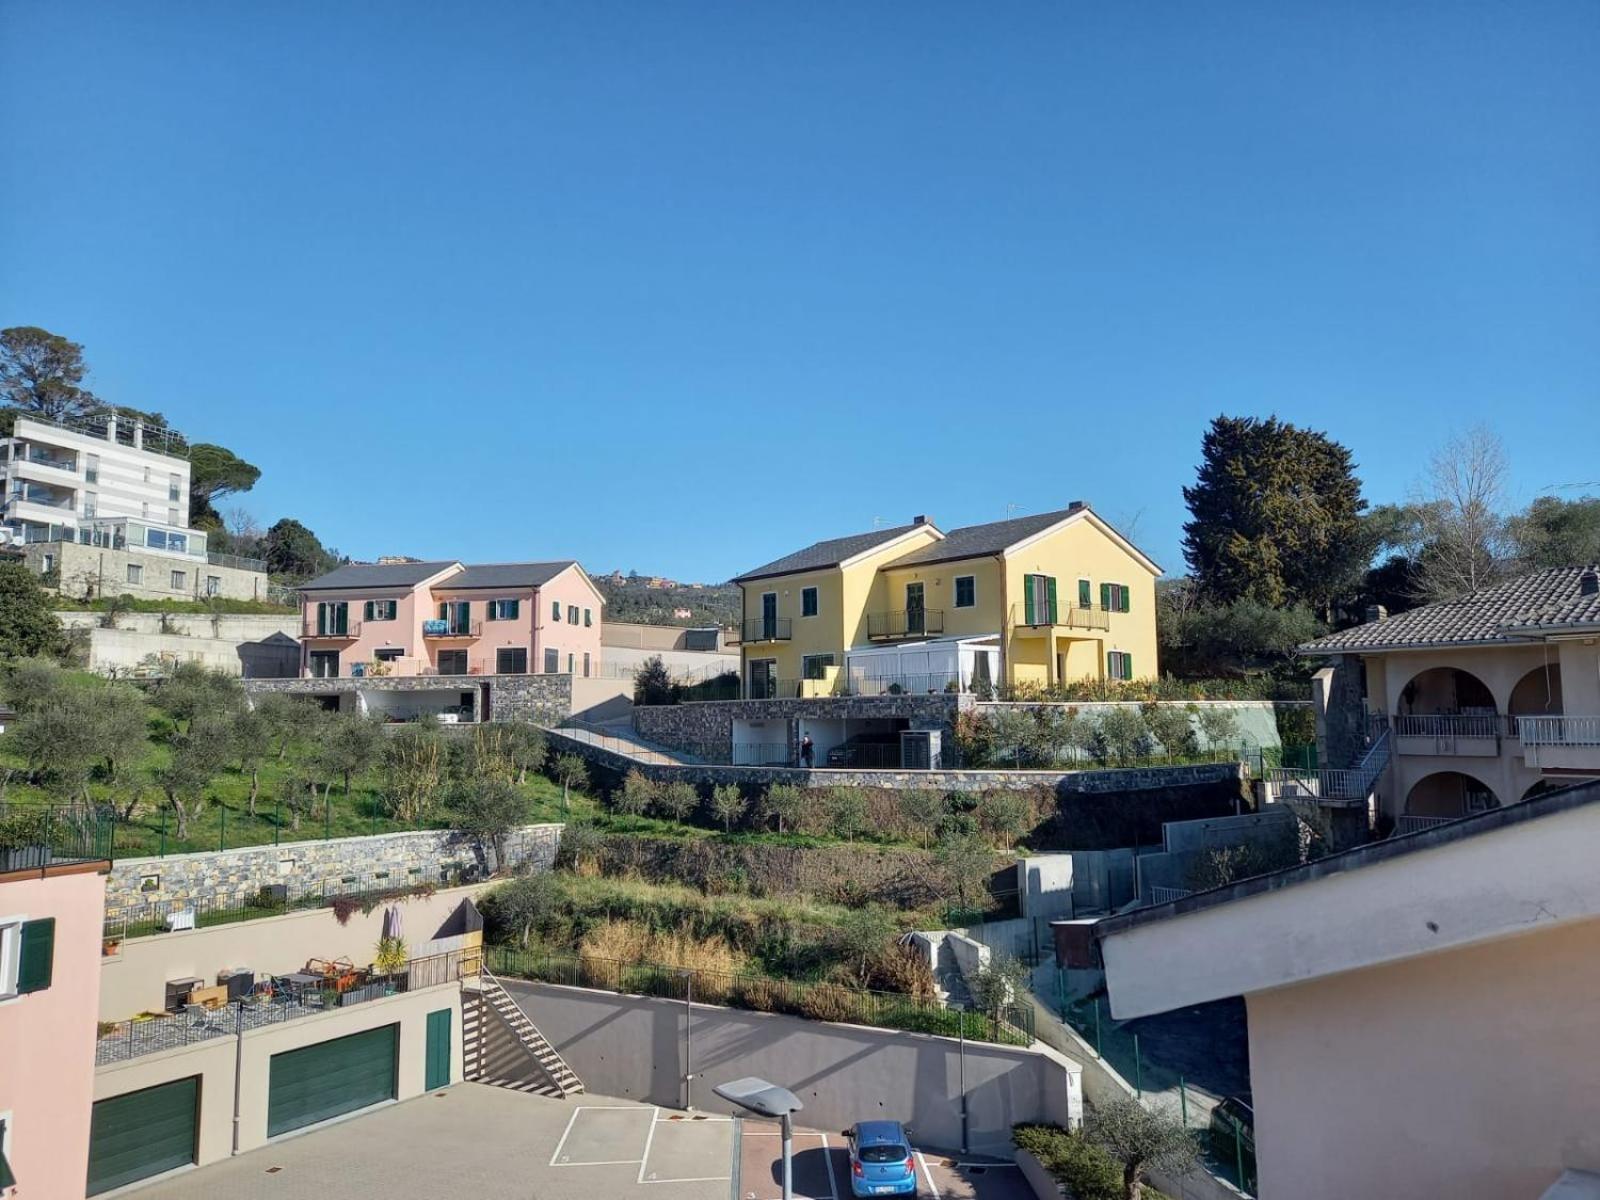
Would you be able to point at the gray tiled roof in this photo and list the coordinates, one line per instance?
(506, 575)
(369, 575)
(824, 554)
(975, 541)
(1503, 613)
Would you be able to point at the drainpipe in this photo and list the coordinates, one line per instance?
(238, 1069)
(1005, 626)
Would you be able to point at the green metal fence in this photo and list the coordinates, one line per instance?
(39, 835)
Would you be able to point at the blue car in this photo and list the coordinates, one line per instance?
(881, 1162)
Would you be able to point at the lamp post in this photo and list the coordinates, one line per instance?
(767, 1100)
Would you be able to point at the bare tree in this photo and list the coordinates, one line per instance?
(1461, 522)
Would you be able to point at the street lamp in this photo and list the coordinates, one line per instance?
(767, 1100)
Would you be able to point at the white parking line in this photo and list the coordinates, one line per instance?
(564, 1133)
(610, 1162)
(933, 1188)
(648, 1138)
(827, 1161)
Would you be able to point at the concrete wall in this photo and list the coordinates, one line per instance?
(90, 572)
(211, 876)
(1461, 1074)
(261, 647)
(710, 723)
(1257, 720)
(1045, 885)
(634, 1047)
(214, 1062)
(542, 699)
(46, 1039)
(133, 980)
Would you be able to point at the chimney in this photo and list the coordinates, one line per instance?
(922, 519)
(1589, 582)
(1376, 612)
(1076, 505)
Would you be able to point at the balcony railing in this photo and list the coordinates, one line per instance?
(451, 629)
(1558, 731)
(237, 561)
(1075, 616)
(43, 499)
(1450, 725)
(1409, 824)
(906, 623)
(330, 629)
(38, 836)
(766, 629)
(51, 460)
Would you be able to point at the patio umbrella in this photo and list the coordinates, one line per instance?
(392, 922)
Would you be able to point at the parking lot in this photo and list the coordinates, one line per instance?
(496, 1144)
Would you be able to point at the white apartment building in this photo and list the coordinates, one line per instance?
(102, 504)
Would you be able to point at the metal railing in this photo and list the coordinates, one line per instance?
(158, 439)
(440, 628)
(766, 629)
(1344, 784)
(310, 627)
(37, 836)
(1409, 824)
(1450, 725)
(904, 623)
(31, 496)
(50, 460)
(237, 561)
(1074, 616)
(1558, 731)
(1166, 895)
(278, 1002)
(925, 684)
(1012, 1025)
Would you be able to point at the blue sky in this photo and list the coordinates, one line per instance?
(682, 286)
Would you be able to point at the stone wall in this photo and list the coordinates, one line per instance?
(384, 860)
(89, 572)
(541, 699)
(709, 723)
(1256, 720)
(1339, 694)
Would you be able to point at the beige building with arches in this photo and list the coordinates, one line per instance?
(1484, 701)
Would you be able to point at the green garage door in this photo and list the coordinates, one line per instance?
(141, 1134)
(330, 1078)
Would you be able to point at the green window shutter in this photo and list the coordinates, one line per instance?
(1127, 599)
(1105, 596)
(367, 610)
(444, 610)
(516, 607)
(37, 958)
(1027, 600)
(1050, 595)
(555, 610)
(1084, 600)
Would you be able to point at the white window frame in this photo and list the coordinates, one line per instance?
(955, 592)
(1126, 590)
(10, 955)
(179, 581)
(136, 574)
(213, 585)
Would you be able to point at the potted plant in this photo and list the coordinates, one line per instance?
(390, 960)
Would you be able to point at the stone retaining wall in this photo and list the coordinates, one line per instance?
(401, 859)
(710, 722)
(541, 699)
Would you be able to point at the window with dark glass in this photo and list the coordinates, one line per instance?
(511, 660)
(555, 610)
(572, 614)
(504, 610)
(808, 602)
(380, 610)
(966, 591)
(452, 662)
(552, 662)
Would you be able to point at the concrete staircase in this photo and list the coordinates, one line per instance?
(486, 1007)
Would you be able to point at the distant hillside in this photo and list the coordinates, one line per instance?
(632, 598)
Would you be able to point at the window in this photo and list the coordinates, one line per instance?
(552, 662)
(135, 573)
(504, 610)
(572, 614)
(457, 617)
(1039, 600)
(1085, 594)
(452, 662)
(91, 470)
(588, 617)
(172, 517)
(324, 664)
(1119, 665)
(8, 1179)
(144, 510)
(180, 580)
(147, 474)
(966, 591)
(512, 660)
(90, 503)
(808, 602)
(388, 654)
(813, 666)
(555, 610)
(1114, 597)
(586, 663)
(380, 610)
(333, 618)
(572, 664)
(47, 563)
(172, 489)
(178, 542)
(10, 955)
(213, 585)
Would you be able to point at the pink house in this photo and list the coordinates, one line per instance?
(446, 618)
(50, 927)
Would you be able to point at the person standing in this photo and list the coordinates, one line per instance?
(808, 752)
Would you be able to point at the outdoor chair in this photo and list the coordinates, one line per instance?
(198, 1017)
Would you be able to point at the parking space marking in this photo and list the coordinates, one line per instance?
(933, 1188)
(655, 1119)
(827, 1161)
(689, 1145)
(558, 1159)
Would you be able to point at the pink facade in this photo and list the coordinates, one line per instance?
(47, 1037)
(449, 619)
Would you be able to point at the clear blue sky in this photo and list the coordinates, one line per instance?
(682, 286)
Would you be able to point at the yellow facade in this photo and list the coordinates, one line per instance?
(1080, 547)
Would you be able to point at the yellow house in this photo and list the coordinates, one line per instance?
(1038, 600)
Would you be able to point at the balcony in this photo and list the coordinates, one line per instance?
(42, 458)
(329, 630)
(1560, 743)
(42, 497)
(1468, 735)
(766, 629)
(1076, 616)
(907, 623)
(441, 630)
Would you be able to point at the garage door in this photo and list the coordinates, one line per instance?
(330, 1078)
(141, 1134)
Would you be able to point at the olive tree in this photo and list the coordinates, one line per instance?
(1142, 1139)
(728, 805)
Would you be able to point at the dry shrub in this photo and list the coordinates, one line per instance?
(633, 942)
(758, 994)
(900, 969)
(830, 1002)
(621, 941)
